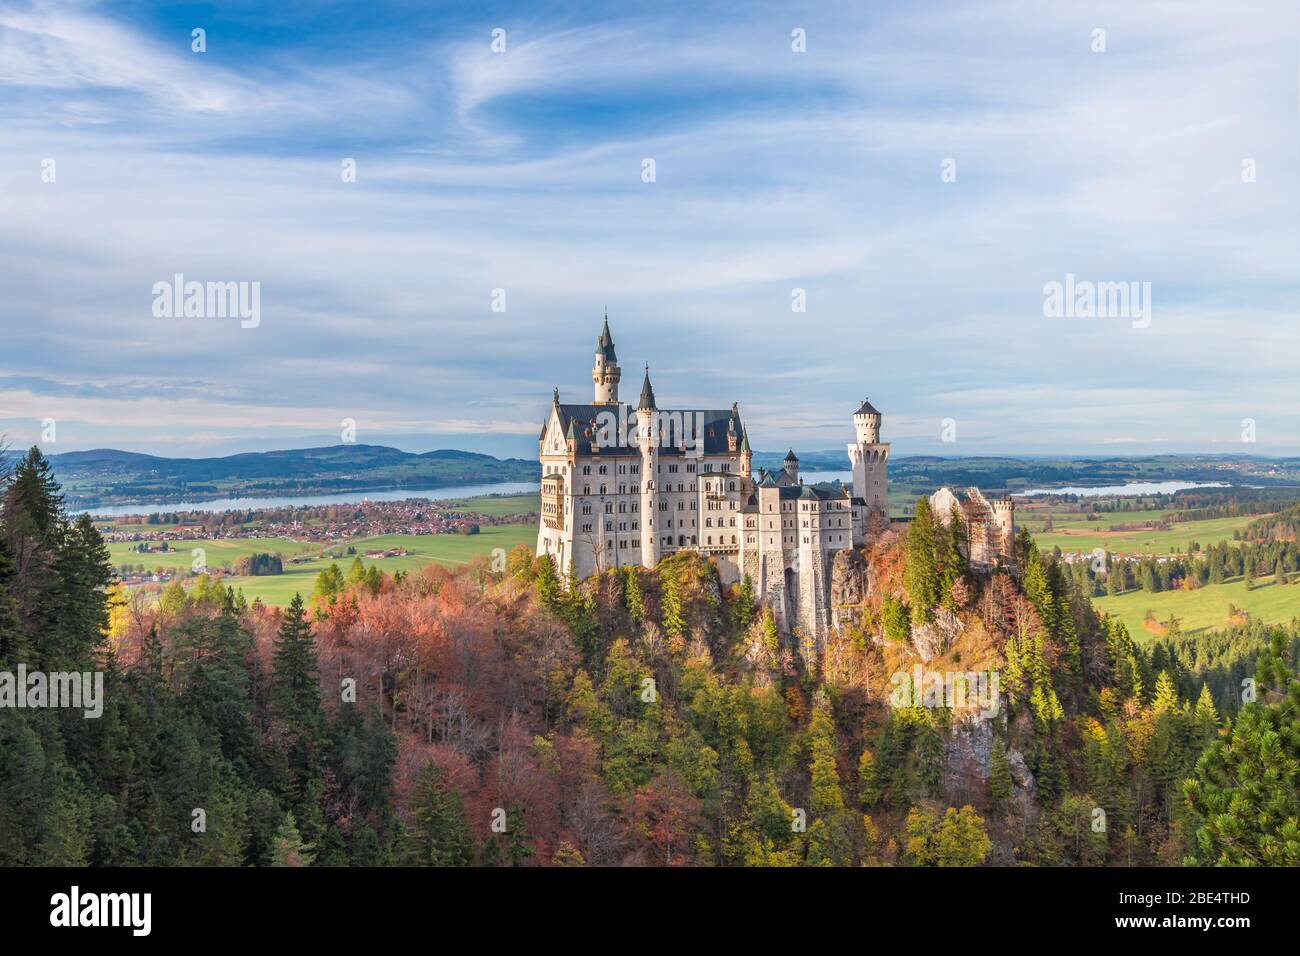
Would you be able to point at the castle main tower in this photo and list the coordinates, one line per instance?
(606, 373)
(869, 457)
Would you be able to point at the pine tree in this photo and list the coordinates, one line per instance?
(744, 606)
(356, 572)
(288, 848)
(439, 834)
(922, 575)
(295, 686)
(670, 602)
(1245, 797)
(868, 785)
(1000, 783)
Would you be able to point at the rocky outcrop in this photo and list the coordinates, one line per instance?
(851, 586)
(967, 754)
(932, 639)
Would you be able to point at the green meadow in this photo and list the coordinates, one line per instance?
(217, 553)
(1081, 535)
(1205, 608)
(496, 506)
(448, 549)
(279, 589)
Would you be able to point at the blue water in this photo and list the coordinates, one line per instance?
(341, 498)
(1132, 488)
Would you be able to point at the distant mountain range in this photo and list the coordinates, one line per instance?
(107, 476)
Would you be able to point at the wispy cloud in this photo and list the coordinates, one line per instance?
(522, 171)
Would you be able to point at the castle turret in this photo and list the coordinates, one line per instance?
(746, 455)
(869, 457)
(866, 423)
(1004, 520)
(647, 437)
(792, 466)
(606, 373)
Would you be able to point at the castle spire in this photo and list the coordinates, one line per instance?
(605, 374)
(647, 393)
(605, 344)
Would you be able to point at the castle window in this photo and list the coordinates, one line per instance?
(586, 469)
(602, 469)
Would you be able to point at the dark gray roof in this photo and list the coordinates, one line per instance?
(866, 408)
(791, 456)
(647, 393)
(605, 344)
(585, 422)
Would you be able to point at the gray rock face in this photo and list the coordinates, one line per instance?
(931, 640)
(851, 584)
(966, 758)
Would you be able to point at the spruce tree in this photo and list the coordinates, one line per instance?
(439, 834)
(922, 574)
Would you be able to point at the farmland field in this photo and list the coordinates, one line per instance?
(1205, 608)
(216, 552)
(1082, 535)
(504, 505)
(449, 549)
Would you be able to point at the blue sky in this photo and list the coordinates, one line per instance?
(775, 170)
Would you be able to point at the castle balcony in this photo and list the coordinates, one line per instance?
(553, 502)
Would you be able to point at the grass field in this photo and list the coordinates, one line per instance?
(1081, 535)
(504, 505)
(1205, 608)
(449, 549)
(279, 589)
(216, 553)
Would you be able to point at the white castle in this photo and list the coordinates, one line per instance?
(628, 486)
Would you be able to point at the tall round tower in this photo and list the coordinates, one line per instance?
(606, 373)
(869, 457)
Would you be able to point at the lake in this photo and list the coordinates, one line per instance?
(341, 498)
(1132, 488)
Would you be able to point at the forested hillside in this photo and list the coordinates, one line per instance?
(473, 717)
